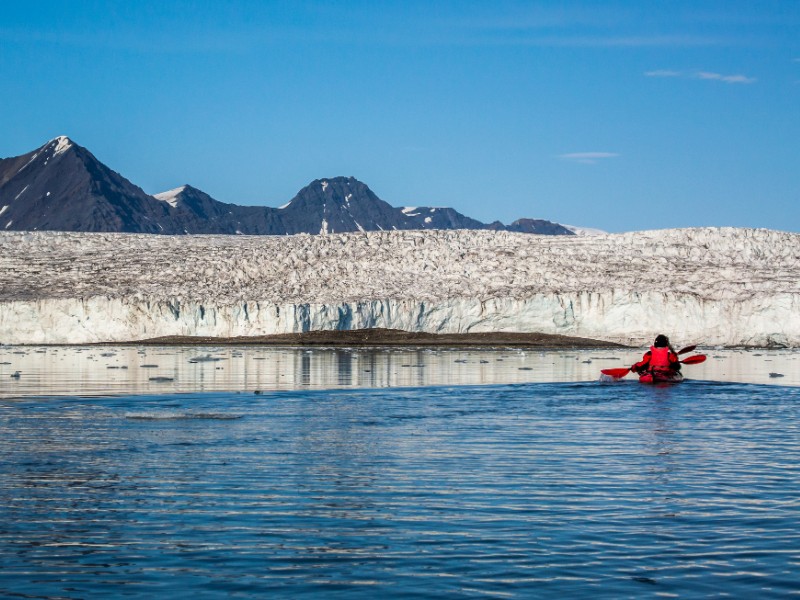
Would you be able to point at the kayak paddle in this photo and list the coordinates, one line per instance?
(687, 349)
(692, 360)
(616, 373)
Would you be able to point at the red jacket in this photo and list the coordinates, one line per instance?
(657, 359)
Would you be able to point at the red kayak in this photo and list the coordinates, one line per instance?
(660, 375)
(668, 376)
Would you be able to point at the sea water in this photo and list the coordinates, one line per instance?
(571, 489)
(103, 370)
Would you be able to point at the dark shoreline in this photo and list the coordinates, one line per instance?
(382, 337)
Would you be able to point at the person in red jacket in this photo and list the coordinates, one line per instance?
(661, 357)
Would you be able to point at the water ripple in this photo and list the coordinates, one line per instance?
(545, 490)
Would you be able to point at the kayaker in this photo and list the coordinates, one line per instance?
(661, 357)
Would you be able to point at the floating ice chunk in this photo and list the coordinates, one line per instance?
(2, 210)
(428, 219)
(409, 209)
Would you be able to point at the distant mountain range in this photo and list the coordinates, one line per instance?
(63, 187)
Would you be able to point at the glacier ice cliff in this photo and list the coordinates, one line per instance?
(715, 286)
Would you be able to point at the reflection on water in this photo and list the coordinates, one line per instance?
(87, 371)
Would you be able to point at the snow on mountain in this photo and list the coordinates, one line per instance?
(62, 144)
(585, 230)
(709, 286)
(171, 196)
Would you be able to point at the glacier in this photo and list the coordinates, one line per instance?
(711, 286)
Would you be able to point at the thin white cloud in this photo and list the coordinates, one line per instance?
(534, 39)
(705, 75)
(587, 158)
(725, 78)
(663, 73)
(566, 25)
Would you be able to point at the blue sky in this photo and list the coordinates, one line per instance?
(621, 115)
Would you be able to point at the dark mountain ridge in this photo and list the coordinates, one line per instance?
(62, 187)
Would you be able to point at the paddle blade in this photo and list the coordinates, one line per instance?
(687, 349)
(615, 372)
(693, 360)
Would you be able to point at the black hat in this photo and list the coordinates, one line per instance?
(661, 341)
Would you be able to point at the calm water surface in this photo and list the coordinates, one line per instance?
(528, 490)
(103, 370)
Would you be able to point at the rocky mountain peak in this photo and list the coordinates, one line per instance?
(172, 197)
(62, 186)
(335, 189)
(59, 144)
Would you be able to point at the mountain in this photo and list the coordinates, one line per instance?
(63, 187)
(346, 204)
(539, 226)
(200, 213)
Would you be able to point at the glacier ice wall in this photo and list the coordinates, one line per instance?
(712, 286)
